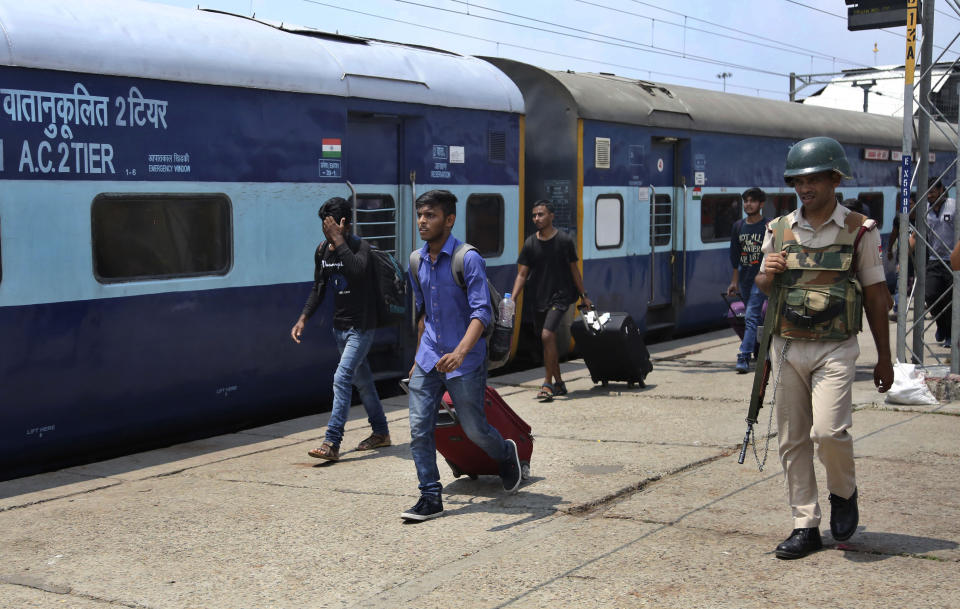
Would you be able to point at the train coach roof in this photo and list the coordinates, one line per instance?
(612, 98)
(141, 39)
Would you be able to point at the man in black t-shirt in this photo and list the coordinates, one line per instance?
(745, 256)
(344, 262)
(549, 261)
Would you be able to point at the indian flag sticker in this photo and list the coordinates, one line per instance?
(331, 148)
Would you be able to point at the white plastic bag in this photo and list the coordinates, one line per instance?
(909, 386)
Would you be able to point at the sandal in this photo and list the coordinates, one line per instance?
(546, 393)
(559, 388)
(376, 440)
(326, 451)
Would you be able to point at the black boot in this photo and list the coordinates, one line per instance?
(800, 543)
(844, 516)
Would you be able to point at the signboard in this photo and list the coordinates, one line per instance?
(906, 171)
(875, 14)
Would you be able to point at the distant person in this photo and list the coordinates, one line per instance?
(810, 257)
(745, 241)
(892, 262)
(451, 353)
(549, 261)
(344, 262)
(939, 280)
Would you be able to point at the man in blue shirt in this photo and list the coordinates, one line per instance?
(451, 353)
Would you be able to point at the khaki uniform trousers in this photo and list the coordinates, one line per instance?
(814, 407)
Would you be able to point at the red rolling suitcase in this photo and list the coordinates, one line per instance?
(466, 458)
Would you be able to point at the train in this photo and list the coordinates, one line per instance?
(162, 170)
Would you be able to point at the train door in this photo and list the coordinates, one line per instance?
(663, 222)
(373, 167)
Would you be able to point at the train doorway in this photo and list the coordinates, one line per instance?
(666, 236)
(373, 168)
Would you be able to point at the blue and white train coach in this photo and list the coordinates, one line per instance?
(648, 178)
(161, 172)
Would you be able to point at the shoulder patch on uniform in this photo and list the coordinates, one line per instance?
(869, 224)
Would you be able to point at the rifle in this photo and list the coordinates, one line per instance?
(762, 374)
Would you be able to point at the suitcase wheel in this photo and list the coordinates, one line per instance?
(457, 472)
(605, 383)
(525, 470)
(454, 469)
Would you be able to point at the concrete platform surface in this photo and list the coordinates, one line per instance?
(635, 500)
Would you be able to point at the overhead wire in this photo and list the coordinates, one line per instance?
(608, 40)
(533, 49)
(844, 17)
(800, 50)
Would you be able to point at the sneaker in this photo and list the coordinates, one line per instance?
(375, 440)
(743, 363)
(947, 344)
(510, 472)
(426, 508)
(326, 451)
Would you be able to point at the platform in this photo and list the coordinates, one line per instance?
(635, 500)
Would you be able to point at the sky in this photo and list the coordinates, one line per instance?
(745, 46)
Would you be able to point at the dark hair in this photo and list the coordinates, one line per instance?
(935, 183)
(755, 194)
(338, 208)
(443, 199)
(856, 205)
(544, 203)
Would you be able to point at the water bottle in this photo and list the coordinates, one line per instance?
(507, 309)
(503, 330)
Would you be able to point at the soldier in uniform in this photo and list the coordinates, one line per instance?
(822, 269)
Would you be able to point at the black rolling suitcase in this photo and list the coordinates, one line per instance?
(613, 350)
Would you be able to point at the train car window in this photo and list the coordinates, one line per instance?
(377, 221)
(160, 236)
(871, 204)
(662, 219)
(602, 153)
(485, 224)
(778, 205)
(718, 212)
(608, 227)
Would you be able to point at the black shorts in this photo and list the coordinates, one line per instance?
(549, 319)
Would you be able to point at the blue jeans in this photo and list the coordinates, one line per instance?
(467, 393)
(353, 369)
(752, 317)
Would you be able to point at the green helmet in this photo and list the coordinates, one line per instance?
(816, 154)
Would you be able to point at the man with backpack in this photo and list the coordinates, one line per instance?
(345, 262)
(451, 352)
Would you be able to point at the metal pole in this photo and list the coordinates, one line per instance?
(903, 244)
(793, 86)
(955, 310)
(923, 172)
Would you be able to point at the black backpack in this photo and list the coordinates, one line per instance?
(391, 288)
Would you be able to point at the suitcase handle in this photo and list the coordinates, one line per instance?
(449, 412)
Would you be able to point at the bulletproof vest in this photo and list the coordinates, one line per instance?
(820, 296)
